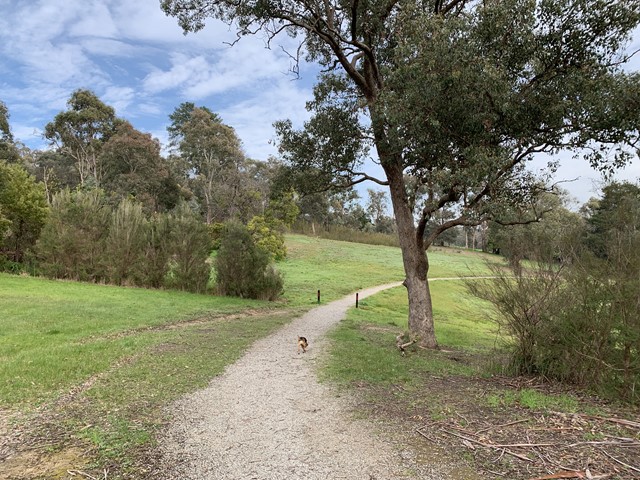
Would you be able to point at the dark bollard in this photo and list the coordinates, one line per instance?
(356, 299)
(318, 296)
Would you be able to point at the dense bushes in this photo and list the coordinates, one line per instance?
(574, 315)
(85, 239)
(243, 269)
(23, 211)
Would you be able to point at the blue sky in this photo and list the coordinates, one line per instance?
(138, 61)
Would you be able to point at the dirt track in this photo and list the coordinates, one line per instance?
(267, 417)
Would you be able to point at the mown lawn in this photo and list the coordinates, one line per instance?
(363, 347)
(339, 268)
(55, 334)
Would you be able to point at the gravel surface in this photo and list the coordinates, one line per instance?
(267, 417)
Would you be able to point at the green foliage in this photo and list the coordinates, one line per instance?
(153, 267)
(72, 242)
(84, 239)
(243, 269)
(125, 241)
(23, 211)
(268, 237)
(576, 318)
(180, 116)
(282, 209)
(8, 151)
(190, 247)
(613, 218)
(216, 232)
(81, 131)
(550, 239)
(214, 157)
(132, 166)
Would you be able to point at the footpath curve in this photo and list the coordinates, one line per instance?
(267, 417)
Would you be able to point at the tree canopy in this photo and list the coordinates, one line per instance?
(81, 131)
(457, 95)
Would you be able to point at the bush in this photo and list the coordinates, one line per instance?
(23, 211)
(125, 241)
(153, 267)
(268, 236)
(243, 269)
(190, 246)
(577, 324)
(72, 241)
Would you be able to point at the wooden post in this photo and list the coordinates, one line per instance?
(356, 299)
(318, 296)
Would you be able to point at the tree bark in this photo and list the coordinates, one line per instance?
(414, 258)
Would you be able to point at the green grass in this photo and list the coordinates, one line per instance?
(533, 399)
(363, 345)
(56, 334)
(338, 268)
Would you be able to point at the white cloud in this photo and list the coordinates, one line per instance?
(119, 98)
(254, 116)
(95, 21)
(182, 73)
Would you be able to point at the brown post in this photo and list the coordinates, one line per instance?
(318, 296)
(356, 299)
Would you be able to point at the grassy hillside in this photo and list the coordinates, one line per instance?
(338, 268)
(101, 362)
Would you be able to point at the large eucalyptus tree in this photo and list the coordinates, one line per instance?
(81, 131)
(455, 96)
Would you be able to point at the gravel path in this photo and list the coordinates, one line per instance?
(267, 417)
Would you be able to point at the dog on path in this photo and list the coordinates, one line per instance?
(302, 345)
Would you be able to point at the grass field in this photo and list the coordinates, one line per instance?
(364, 343)
(339, 268)
(103, 361)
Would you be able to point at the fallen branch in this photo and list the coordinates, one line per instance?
(630, 467)
(493, 427)
(426, 436)
(574, 474)
(73, 473)
(489, 445)
(401, 346)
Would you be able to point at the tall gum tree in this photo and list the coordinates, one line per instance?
(81, 131)
(455, 96)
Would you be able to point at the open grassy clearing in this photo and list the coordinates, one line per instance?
(90, 367)
(454, 402)
(93, 365)
(338, 268)
(56, 334)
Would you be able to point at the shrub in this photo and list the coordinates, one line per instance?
(190, 246)
(72, 241)
(216, 231)
(267, 235)
(23, 211)
(125, 241)
(153, 267)
(243, 269)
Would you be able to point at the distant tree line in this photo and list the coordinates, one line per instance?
(106, 203)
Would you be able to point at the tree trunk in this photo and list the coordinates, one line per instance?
(414, 258)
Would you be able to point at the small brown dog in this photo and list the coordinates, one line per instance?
(302, 345)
